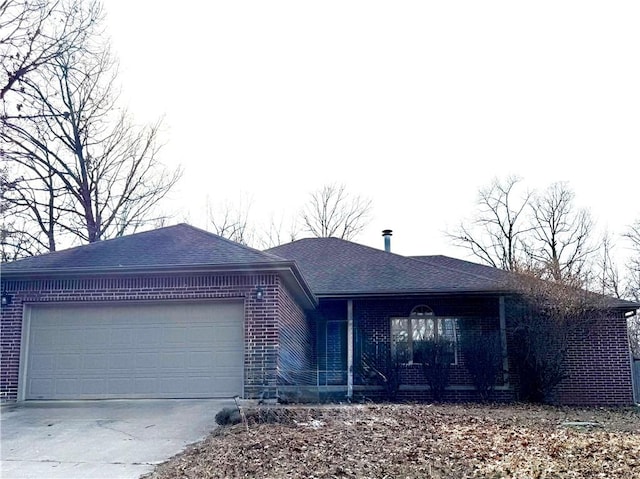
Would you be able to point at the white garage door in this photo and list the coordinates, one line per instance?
(169, 350)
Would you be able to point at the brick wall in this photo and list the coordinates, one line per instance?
(373, 329)
(296, 364)
(261, 317)
(598, 364)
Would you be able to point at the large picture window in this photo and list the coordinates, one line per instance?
(410, 335)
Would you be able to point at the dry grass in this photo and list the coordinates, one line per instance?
(418, 441)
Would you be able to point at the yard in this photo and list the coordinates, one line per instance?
(418, 441)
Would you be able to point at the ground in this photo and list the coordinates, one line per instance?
(418, 441)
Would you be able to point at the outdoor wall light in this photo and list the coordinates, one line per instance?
(6, 299)
(259, 293)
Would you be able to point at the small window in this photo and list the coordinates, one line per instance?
(409, 335)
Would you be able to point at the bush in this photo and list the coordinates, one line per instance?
(482, 354)
(228, 416)
(379, 367)
(436, 356)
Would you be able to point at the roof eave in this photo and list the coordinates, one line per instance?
(386, 294)
(288, 269)
(142, 269)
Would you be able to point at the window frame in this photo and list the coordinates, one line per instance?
(423, 313)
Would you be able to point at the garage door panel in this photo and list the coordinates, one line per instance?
(150, 337)
(119, 362)
(94, 386)
(203, 334)
(120, 336)
(67, 387)
(44, 362)
(175, 385)
(98, 362)
(201, 360)
(173, 360)
(224, 360)
(174, 336)
(120, 386)
(42, 386)
(135, 351)
(146, 361)
(68, 362)
(42, 338)
(145, 385)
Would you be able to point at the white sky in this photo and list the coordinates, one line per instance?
(414, 104)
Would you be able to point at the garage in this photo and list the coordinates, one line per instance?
(133, 350)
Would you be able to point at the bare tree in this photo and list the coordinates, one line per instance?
(543, 319)
(495, 234)
(33, 33)
(632, 290)
(540, 232)
(15, 238)
(277, 232)
(632, 235)
(607, 278)
(559, 243)
(333, 212)
(232, 222)
(85, 171)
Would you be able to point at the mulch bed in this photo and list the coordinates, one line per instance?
(417, 441)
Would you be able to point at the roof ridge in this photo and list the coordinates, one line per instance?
(117, 239)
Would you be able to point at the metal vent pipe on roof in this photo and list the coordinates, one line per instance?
(387, 240)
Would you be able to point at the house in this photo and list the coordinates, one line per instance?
(178, 312)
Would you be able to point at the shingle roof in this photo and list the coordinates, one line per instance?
(181, 245)
(505, 277)
(337, 267)
(485, 271)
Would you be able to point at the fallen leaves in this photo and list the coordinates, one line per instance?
(419, 441)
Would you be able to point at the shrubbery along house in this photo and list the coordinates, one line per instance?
(178, 312)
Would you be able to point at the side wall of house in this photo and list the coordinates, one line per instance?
(260, 328)
(598, 362)
(598, 366)
(296, 355)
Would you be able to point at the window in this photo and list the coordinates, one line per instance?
(410, 335)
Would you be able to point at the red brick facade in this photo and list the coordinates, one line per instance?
(296, 358)
(372, 331)
(282, 345)
(265, 321)
(598, 366)
(598, 363)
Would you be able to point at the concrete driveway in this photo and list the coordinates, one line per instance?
(99, 439)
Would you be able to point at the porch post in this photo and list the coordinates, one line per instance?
(503, 342)
(349, 348)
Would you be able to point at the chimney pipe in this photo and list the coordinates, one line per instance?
(387, 240)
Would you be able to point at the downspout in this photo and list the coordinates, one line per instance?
(635, 368)
(350, 349)
(503, 342)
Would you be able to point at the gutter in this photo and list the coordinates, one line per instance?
(397, 294)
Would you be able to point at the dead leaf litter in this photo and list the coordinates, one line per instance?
(418, 441)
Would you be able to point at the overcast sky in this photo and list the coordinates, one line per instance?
(414, 104)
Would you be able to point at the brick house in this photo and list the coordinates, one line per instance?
(181, 313)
